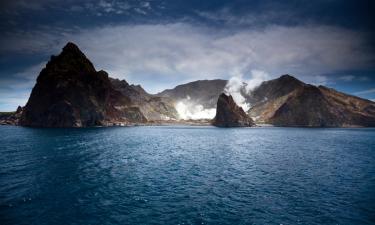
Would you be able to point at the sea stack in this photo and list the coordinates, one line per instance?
(229, 114)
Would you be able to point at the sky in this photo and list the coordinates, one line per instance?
(160, 44)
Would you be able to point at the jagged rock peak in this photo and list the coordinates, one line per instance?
(229, 114)
(70, 46)
(71, 58)
(118, 81)
(289, 78)
(72, 49)
(69, 92)
(19, 109)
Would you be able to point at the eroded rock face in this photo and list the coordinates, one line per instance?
(286, 101)
(154, 108)
(306, 106)
(229, 114)
(70, 93)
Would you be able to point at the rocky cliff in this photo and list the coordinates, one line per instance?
(229, 114)
(286, 101)
(154, 108)
(69, 92)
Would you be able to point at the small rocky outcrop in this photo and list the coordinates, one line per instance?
(11, 118)
(69, 92)
(229, 114)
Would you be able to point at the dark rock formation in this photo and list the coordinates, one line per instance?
(11, 118)
(154, 108)
(229, 114)
(306, 106)
(202, 92)
(70, 93)
(286, 101)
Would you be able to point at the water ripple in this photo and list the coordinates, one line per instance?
(187, 175)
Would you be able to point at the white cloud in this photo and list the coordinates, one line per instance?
(364, 78)
(10, 100)
(368, 91)
(186, 51)
(15, 90)
(146, 5)
(31, 73)
(257, 77)
(159, 55)
(106, 6)
(347, 78)
(318, 80)
(118, 7)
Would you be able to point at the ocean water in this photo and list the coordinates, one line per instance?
(187, 175)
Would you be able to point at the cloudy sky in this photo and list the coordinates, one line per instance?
(162, 43)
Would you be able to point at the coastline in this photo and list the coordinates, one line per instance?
(171, 123)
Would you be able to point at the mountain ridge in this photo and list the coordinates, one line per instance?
(203, 92)
(70, 92)
(309, 105)
(153, 107)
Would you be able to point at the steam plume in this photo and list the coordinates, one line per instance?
(237, 86)
(188, 109)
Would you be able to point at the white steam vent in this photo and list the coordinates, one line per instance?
(188, 109)
(237, 86)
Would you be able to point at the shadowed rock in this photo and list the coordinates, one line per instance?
(286, 101)
(229, 114)
(70, 93)
(154, 108)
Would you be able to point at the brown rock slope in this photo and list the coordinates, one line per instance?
(69, 92)
(287, 101)
(202, 92)
(229, 114)
(153, 107)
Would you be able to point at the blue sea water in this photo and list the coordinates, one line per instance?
(187, 175)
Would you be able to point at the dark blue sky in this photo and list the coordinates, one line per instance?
(160, 44)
